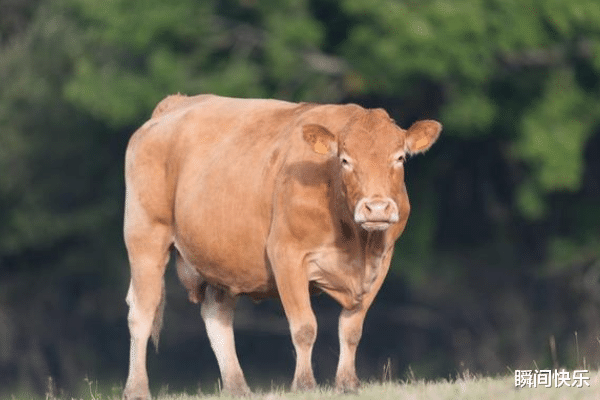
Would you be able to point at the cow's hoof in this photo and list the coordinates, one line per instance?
(136, 395)
(347, 385)
(238, 391)
(346, 389)
(235, 385)
(304, 384)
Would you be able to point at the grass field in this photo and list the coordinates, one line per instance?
(466, 387)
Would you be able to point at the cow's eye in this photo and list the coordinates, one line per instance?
(401, 159)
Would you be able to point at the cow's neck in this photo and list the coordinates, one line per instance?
(374, 245)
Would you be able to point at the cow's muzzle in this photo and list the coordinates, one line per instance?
(376, 214)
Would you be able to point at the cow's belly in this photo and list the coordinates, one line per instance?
(227, 261)
(222, 217)
(225, 242)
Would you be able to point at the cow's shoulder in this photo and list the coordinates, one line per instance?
(306, 203)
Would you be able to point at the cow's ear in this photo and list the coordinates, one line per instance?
(320, 139)
(421, 135)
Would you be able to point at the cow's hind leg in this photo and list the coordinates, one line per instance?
(148, 249)
(217, 311)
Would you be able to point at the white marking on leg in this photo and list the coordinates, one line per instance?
(218, 318)
(139, 329)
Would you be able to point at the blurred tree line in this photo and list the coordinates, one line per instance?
(501, 250)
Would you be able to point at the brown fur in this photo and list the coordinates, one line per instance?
(261, 197)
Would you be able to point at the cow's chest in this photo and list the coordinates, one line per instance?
(345, 275)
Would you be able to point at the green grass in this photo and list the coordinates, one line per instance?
(465, 387)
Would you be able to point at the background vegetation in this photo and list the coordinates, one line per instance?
(500, 257)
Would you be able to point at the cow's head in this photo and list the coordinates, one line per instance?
(371, 152)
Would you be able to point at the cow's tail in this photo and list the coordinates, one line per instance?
(168, 103)
(158, 318)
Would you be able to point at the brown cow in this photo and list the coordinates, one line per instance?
(264, 198)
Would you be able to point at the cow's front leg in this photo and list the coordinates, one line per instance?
(217, 311)
(292, 284)
(303, 328)
(350, 332)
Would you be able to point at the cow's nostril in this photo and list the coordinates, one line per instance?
(377, 206)
(376, 211)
